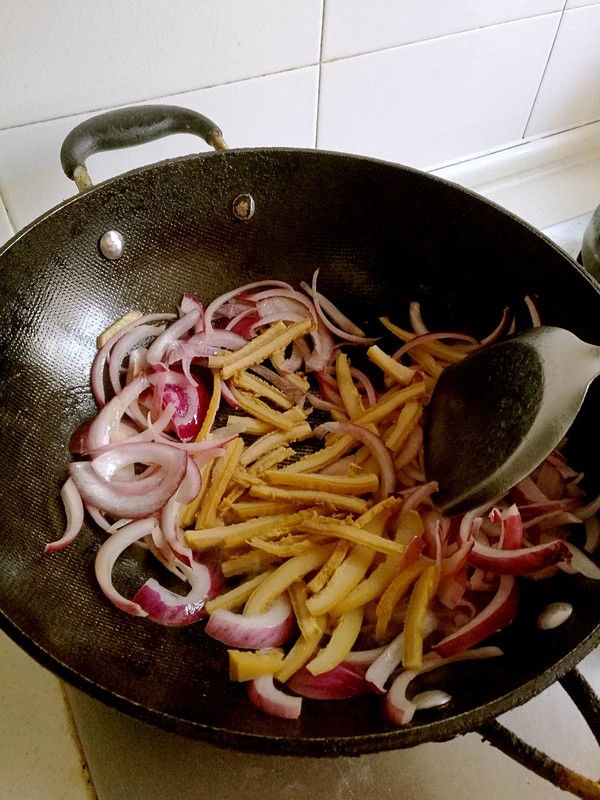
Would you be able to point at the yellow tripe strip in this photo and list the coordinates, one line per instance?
(274, 338)
(221, 475)
(350, 572)
(390, 403)
(287, 547)
(395, 591)
(350, 532)
(273, 440)
(252, 405)
(246, 563)
(300, 382)
(213, 407)
(247, 509)
(332, 451)
(187, 515)
(300, 653)
(407, 420)
(347, 388)
(282, 578)
(328, 500)
(339, 645)
(394, 369)
(447, 352)
(370, 588)
(251, 425)
(261, 388)
(329, 567)
(237, 533)
(245, 665)
(236, 597)
(309, 625)
(362, 483)
(415, 617)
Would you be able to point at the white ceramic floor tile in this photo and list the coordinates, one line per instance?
(40, 757)
(352, 27)
(570, 91)
(276, 110)
(436, 101)
(61, 58)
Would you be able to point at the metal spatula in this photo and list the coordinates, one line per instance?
(497, 414)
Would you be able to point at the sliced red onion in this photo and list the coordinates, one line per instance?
(128, 498)
(74, 511)
(212, 308)
(190, 402)
(345, 680)
(399, 708)
(105, 427)
(581, 563)
(168, 608)
(253, 631)
(364, 658)
(392, 655)
(341, 326)
(497, 615)
(376, 446)
(521, 561)
(511, 537)
(426, 338)
(263, 694)
(166, 340)
(101, 357)
(107, 557)
(323, 351)
(125, 344)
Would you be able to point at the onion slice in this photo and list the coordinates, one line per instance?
(253, 631)
(498, 614)
(345, 680)
(74, 509)
(168, 608)
(107, 556)
(120, 498)
(263, 693)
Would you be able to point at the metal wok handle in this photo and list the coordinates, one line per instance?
(582, 695)
(126, 127)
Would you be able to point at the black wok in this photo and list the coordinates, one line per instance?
(382, 235)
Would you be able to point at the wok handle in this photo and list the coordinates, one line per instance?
(126, 127)
(583, 696)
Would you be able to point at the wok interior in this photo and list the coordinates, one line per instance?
(381, 236)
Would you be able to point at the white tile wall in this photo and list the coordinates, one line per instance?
(423, 82)
(570, 92)
(352, 27)
(61, 57)
(426, 103)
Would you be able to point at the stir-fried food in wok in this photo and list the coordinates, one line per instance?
(269, 455)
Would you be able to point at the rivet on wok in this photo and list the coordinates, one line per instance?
(111, 245)
(243, 206)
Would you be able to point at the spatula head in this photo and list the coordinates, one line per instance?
(497, 414)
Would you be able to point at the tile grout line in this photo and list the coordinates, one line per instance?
(537, 94)
(319, 74)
